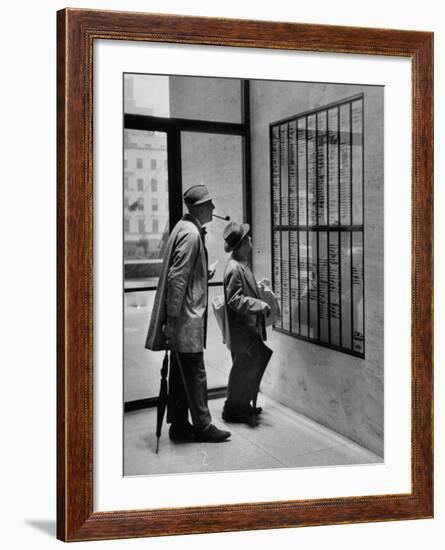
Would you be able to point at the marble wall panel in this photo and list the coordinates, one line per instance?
(338, 390)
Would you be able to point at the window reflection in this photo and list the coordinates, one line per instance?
(216, 161)
(169, 96)
(146, 94)
(142, 366)
(146, 215)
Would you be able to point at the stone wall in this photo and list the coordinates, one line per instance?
(338, 390)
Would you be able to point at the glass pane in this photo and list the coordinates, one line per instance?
(324, 289)
(322, 169)
(146, 94)
(284, 175)
(357, 291)
(277, 270)
(302, 181)
(345, 165)
(333, 167)
(285, 279)
(303, 284)
(334, 287)
(276, 193)
(311, 170)
(142, 366)
(293, 192)
(146, 214)
(357, 162)
(293, 246)
(213, 99)
(218, 359)
(313, 285)
(216, 161)
(346, 327)
(216, 99)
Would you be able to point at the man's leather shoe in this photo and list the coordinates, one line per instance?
(181, 432)
(212, 434)
(238, 417)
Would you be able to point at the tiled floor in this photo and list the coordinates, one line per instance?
(282, 439)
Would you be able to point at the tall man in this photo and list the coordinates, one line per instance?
(179, 321)
(246, 314)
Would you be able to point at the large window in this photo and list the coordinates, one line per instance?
(179, 147)
(143, 248)
(317, 225)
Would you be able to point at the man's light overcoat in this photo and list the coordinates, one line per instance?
(182, 293)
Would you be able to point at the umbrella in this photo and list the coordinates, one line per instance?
(265, 355)
(162, 399)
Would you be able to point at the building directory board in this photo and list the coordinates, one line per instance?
(317, 216)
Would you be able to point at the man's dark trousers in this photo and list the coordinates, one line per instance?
(194, 399)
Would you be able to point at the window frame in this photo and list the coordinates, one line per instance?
(173, 127)
(328, 228)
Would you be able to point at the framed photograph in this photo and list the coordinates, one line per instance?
(245, 232)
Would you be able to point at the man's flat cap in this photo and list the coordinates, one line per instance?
(197, 194)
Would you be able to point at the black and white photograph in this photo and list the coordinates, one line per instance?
(253, 274)
(222, 226)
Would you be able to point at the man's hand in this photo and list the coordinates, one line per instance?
(264, 282)
(169, 333)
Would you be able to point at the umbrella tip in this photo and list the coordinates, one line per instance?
(157, 446)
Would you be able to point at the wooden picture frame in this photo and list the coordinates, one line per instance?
(77, 31)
